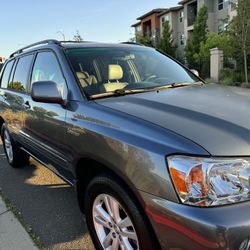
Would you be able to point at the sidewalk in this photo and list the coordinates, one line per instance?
(12, 235)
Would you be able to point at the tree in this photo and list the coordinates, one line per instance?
(240, 33)
(16, 85)
(221, 41)
(78, 37)
(166, 41)
(199, 35)
(146, 40)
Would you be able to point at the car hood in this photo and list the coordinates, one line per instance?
(214, 117)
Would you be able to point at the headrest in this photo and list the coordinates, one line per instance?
(115, 72)
(114, 86)
(82, 75)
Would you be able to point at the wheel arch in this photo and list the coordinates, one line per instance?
(88, 168)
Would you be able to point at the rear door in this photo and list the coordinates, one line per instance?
(5, 100)
(44, 123)
(13, 94)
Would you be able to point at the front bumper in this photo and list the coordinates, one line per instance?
(181, 227)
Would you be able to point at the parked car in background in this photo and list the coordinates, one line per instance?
(159, 159)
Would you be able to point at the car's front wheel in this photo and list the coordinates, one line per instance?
(113, 217)
(15, 156)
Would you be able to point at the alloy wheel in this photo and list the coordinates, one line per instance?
(113, 226)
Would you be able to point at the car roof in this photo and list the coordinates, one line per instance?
(97, 44)
(73, 44)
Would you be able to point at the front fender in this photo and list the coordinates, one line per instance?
(134, 149)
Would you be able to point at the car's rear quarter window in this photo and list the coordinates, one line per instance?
(6, 74)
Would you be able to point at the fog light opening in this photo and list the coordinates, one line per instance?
(245, 245)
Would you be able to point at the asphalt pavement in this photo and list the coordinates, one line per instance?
(46, 204)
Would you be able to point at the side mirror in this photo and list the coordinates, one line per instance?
(194, 71)
(46, 91)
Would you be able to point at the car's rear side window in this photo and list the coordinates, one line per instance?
(20, 79)
(6, 74)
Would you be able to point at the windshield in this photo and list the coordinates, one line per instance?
(104, 70)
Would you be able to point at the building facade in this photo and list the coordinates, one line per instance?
(149, 25)
(181, 19)
(175, 18)
(220, 13)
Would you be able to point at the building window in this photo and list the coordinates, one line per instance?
(191, 13)
(164, 19)
(182, 39)
(222, 4)
(138, 29)
(181, 16)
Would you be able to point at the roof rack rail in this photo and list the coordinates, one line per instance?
(73, 41)
(133, 43)
(48, 41)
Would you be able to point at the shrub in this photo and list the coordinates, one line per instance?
(209, 80)
(220, 41)
(227, 81)
(231, 77)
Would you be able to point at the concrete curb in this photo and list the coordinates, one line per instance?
(12, 234)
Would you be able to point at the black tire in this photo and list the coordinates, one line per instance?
(107, 184)
(20, 158)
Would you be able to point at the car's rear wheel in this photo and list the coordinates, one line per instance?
(114, 218)
(15, 156)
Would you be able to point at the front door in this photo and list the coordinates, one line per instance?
(44, 123)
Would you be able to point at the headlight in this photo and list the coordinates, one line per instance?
(210, 182)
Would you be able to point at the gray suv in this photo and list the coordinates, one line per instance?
(158, 158)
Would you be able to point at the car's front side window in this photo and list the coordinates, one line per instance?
(46, 68)
(123, 68)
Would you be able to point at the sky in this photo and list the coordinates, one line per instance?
(28, 21)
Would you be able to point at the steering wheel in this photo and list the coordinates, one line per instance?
(150, 77)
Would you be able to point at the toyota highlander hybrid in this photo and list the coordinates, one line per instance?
(158, 158)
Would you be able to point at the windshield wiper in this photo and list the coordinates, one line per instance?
(181, 84)
(121, 92)
(117, 92)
